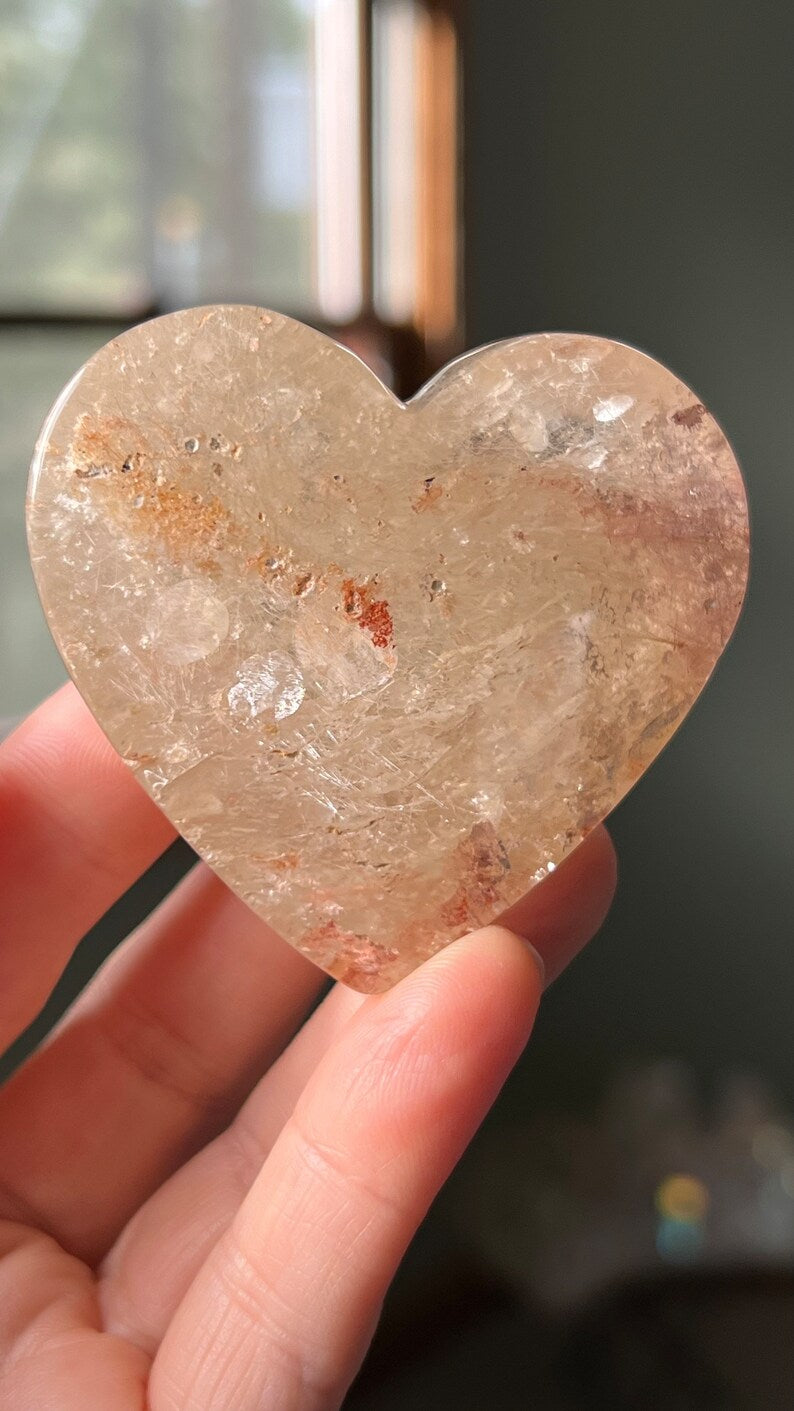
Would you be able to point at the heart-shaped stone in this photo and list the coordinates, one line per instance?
(384, 666)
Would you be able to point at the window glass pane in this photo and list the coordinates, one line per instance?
(156, 153)
(34, 365)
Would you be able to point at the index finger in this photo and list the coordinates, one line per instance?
(282, 1310)
(76, 830)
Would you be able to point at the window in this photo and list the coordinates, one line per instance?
(296, 153)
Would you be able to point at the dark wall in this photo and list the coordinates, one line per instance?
(630, 172)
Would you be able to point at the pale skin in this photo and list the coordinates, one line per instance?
(204, 1196)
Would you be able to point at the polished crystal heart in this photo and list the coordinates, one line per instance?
(383, 665)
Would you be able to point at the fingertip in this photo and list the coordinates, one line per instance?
(564, 912)
(495, 946)
(480, 991)
(437, 1047)
(599, 849)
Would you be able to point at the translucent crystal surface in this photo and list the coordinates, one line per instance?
(384, 666)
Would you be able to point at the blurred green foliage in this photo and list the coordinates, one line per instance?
(150, 153)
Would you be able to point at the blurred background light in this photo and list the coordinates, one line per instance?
(395, 58)
(339, 160)
(682, 1198)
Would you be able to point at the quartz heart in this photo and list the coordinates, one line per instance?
(383, 665)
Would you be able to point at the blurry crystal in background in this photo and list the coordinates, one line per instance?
(568, 1207)
(682, 1203)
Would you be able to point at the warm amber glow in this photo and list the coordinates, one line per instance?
(415, 168)
(682, 1198)
(437, 129)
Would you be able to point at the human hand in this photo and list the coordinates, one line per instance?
(202, 1208)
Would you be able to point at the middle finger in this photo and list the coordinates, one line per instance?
(158, 1254)
(149, 1065)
